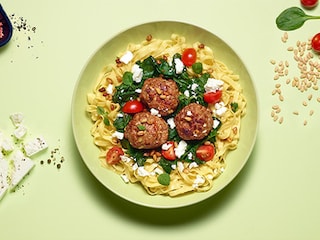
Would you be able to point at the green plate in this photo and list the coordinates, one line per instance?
(107, 53)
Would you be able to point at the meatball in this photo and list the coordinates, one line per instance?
(160, 94)
(146, 131)
(194, 122)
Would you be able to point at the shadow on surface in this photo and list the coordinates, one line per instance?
(166, 217)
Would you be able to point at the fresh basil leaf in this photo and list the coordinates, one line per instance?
(100, 110)
(197, 67)
(234, 106)
(164, 179)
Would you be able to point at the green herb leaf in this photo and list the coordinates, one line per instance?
(234, 106)
(101, 111)
(292, 18)
(106, 121)
(141, 127)
(166, 165)
(197, 67)
(164, 179)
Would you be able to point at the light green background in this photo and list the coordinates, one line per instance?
(276, 196)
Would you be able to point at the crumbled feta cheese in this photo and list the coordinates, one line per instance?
(137, 73)
(21, 166)
(174, 166)
(213, 85)
(180, 166)
(119, 115)
(143, 172)
(20, 132)
(125, 178)
(215, 123)
(179, 65)
(34, 146)
(125, 158)
(16, 118)
(109, 89)
(154, 112)
(171, 123)
(127, 57)
(118, 135)
(180, 149)
(194, 86)
(186, 93)
(135, 166)
(198, 181)
(210, 176)
(6, 144)
(220, 108)
(138, 90)
(193, 165)
(190, 156)
(166, 146)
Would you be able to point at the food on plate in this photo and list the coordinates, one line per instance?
(165, 115)
(194, 122)
(160, 94)
(146, 131)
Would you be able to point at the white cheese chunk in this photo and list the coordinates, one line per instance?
(166, 146)
(213, 85)
(6, 144)
(16, 118)
(155, 112)
(127, 57)
(20, 132)
(142, 172)
(34, 146)
(125, 178)
(215, 123)
(137, 73)
(198, 181)
(21, 167)
(179, 65)
(180, 149)
(180, 166)
(118, 135)
(171, 123)
(109, 89)
(193, 165)
(4, 171)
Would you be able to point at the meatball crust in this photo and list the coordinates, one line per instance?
(160, 94)
(194, 122)
(146, 131)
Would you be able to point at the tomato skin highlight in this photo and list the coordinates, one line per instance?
(189, 56)
(205, 152)
(309, 3)
(113, 155)
(169, 153)
(133, 106)
(315, 42)
(212, 97)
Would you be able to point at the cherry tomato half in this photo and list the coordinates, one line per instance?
(132, 106)
(309, 3)
(169, 153)
(212, 97)
(189, 56)
(205, 152)
(315, 42)
(113, 155)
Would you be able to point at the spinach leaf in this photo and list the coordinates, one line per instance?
(121, 122)
(164, 179)
(166, 164)
(293, 18)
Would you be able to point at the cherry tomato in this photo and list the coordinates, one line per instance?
(212, 97)
(309, 3)
(315, 42)
(132, 106)
(189, 56)
(169, 153)
(205, 152)
(113, 155)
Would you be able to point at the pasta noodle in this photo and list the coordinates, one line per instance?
(185, 177)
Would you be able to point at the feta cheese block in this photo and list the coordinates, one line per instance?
(34, 146)
(21, 167)
(4, 169)
(6, 143)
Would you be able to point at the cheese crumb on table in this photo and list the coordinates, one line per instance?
(34, 146)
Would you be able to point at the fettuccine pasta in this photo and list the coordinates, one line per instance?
(185, 176)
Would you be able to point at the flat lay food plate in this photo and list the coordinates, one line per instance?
(106, 54)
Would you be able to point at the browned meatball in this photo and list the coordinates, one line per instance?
(160, 94)
(193, 122)
(146, 131)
